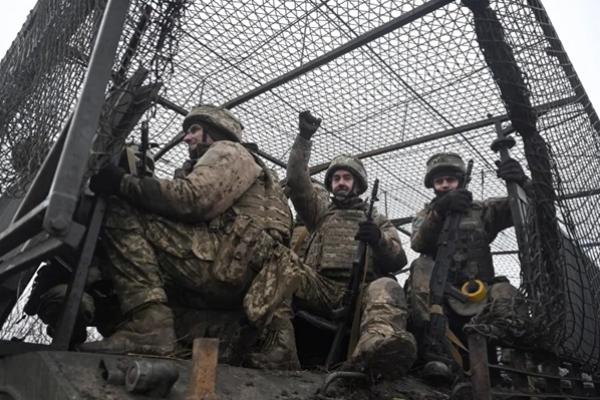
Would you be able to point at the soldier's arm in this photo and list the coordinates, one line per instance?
(426, 228)
(496, 216)
(388, 254)
(309, 206)
(217, 180)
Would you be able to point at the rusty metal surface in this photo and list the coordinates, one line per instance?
(480, 374)
(204, 369)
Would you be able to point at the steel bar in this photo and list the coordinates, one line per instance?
(387, 149)
(480, 373)
(30, 256)
(584, 193)
(38, 191)
(535, 374)
(9, 347)
(62, 338)
(204, 369)
(404, 231)
(315, 169)
(353, 44)
(64, 192)
(25, 228)
(401, 221)
(504, 252)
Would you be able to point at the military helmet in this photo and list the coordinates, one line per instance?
(352, 164)
(443, 162)
(217, 117)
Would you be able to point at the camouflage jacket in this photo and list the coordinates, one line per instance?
(218, 179)
(494, 215)
(332, 229)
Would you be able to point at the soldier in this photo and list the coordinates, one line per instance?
(481, 222)
(208, 231)
(318, 284)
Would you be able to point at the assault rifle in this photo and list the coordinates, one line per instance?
(438, 285)
(349, 312)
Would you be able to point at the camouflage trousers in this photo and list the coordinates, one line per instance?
(418, 294)
(383, 306)
(149, 252)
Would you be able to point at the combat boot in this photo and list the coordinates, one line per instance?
(277, 348)
(390, 356)
(149, 330)
(49, 306)
(437, 372)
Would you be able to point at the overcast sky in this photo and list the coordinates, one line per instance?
(576, 22)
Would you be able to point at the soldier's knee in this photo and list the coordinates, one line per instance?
(422, 265)
(503, 290)
(386, 291)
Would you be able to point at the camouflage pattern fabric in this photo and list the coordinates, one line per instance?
(318, 284)
(215, 253)
(494, 217)
(419, 295)
(218, 179)
(477, 229)
(383, 304)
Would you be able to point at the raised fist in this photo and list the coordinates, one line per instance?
(308, 124)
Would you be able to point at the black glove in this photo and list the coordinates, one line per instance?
(308, 124)
(458, 200)
(107, 180)
(511, 171)
(368, 232)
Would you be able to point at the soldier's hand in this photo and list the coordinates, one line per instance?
(107, 180)
(458, 200)
(511, 171)
(368, 232)
(308, 124)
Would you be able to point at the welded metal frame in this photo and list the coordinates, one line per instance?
(64, 194)
(51, 208)
(47, 212)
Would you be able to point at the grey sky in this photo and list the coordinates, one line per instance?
(576, 22)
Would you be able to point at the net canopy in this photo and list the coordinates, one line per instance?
(393, 81)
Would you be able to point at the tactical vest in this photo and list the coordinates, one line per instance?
(242, 238)
(332, 244)
(266, 204)
(473, 258)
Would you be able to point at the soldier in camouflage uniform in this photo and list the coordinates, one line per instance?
(479, 225)
(318, 283)
(208, 231)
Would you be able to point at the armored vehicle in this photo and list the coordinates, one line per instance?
(87, 82)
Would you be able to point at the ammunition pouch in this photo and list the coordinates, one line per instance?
(243, 251)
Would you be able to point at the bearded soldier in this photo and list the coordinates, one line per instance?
(479, 224)
(318, 283)
(208, 231)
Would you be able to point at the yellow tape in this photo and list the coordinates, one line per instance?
(478, 294)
